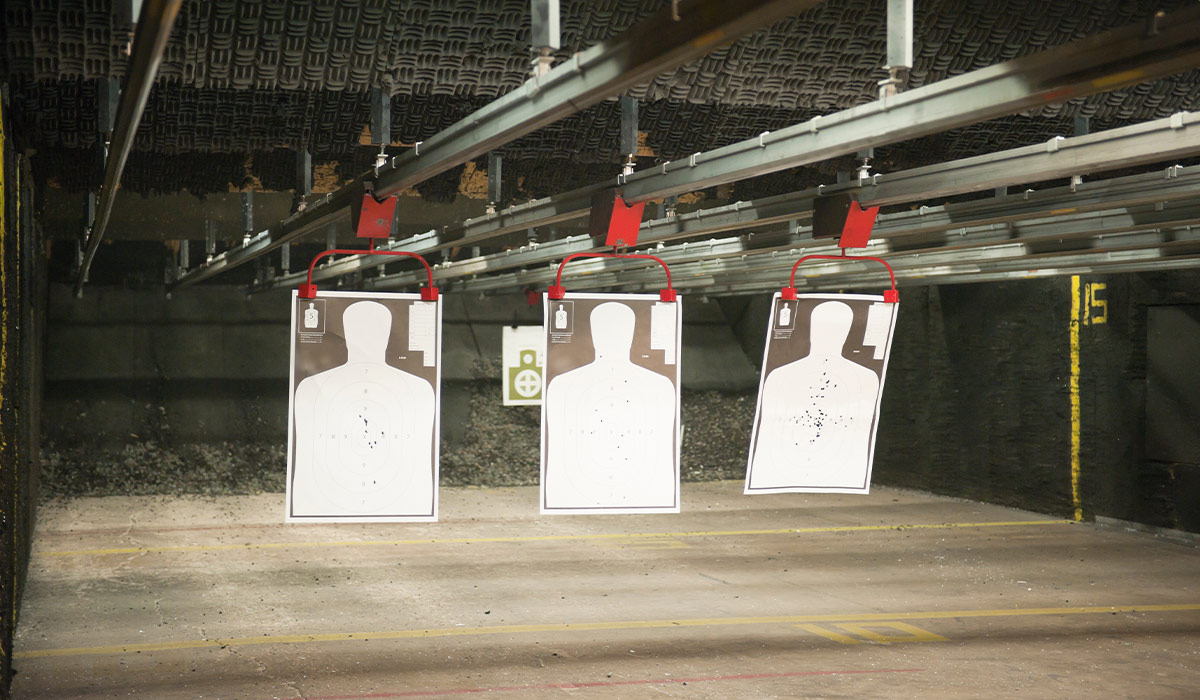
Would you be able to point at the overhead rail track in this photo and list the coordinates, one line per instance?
(650, 48)
(1178, 248)
(1177, 221)
(1164, 139)
(154, 25)
(1097, 64)
(1024, 255)
(1173, 256)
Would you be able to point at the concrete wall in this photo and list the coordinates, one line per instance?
(977, 400)
(1124, 477)
(22, 312)
(211, 364)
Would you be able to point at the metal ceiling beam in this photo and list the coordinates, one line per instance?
(1146, 261)
(1169, 248)
(1137, 226)
(149, 42)
(1155, 141)
(1170, 255)
(1099, 63)
(1162, 139)
(1140, 260)
(1013, 255)
(649, 48)
(772, 257)
(905, 233)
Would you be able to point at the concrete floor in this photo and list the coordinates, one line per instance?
(894, 594)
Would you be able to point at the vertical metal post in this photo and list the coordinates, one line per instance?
(494, 175)
(247, 215)
(331, 237)
(304, 172)
(184, 253)
(285, 258)
(899, 47)
(109, 92)
(545, 39)
(126, 12)
(77, 263)
(864, 156)
(89, 209)
(629, 131)
(1083, 127)
(210, 238)
(381, 116)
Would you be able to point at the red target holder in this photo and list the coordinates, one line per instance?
(890, 296)
(558, 291)
(308, 290)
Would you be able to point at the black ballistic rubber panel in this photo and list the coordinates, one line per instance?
(246, 76)
(1173, 383)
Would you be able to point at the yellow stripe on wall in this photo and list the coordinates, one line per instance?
(1074, 390)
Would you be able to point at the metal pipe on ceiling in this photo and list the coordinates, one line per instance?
(1097, 64)
(1159, 140)
(1171, 246)
(1146, 225)
(1143, 260)
(998, 267)
(149, 42)
(1071, 234)
(657, 45)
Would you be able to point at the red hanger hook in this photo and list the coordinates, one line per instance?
(557, 291)
(890, 295)
(308, 290)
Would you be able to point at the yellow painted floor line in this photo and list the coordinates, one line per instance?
(539, 538)
(595, 626)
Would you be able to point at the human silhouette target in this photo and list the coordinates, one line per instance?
(611, 412)
(363, 433)
(818, 402)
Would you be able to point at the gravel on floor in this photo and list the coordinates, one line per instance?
(500, 448)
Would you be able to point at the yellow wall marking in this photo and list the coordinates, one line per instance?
(1094, 301)
(540, 538)
(1074, 391)
(597, 626)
